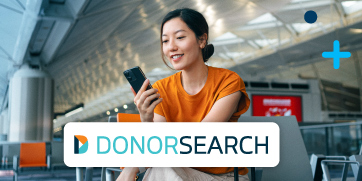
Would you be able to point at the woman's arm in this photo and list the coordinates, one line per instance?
(223, 108)
(128, 174)
(158, 118)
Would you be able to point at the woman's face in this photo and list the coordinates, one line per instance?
(179, 44)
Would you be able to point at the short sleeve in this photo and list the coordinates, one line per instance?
(232, 84)
(158, 109)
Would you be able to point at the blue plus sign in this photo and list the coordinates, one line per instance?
(336, 54)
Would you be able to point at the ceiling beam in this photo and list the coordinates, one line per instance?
(6, 98)
(27, 27)
(305, 5)
(342, 14)
(290, 29)
(266, 39)
(10, 8)
(250, 42)
(7, 54)
(20, 4)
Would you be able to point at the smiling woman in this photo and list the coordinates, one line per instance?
(197, 93)
(184, 24)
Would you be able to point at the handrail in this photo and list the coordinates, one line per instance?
(331, 125)
(28, 141)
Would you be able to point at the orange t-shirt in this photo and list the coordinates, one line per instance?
(179, 106)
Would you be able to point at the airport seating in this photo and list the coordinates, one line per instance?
(88, 174)
(57, 155)
(1, 156)
(294, 162)
(9, 150)
(320, 169)
(356, 168)
(31, 155)
(89, 170)
(355, 161)
(110, 173)
(316, 163)
(124, 117)
(320, 162)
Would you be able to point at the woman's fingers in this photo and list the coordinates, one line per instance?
(144, 85)
(144, 96)
(134, 92)
(148, 100)
(154, 104)
(142, 89)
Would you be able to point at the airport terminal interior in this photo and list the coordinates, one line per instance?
(62, 61)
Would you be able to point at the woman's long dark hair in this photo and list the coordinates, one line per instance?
(196, 22)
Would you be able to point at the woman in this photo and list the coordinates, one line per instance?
(197, 93)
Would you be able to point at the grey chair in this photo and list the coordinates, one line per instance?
(355, 161)
(57, 155)
(89, 170)
(88, 174)
(9, 151)
(356, 168)
(294, 162)
(1, 156)
(316, 163)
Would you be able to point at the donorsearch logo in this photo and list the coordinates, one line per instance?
(80, 149)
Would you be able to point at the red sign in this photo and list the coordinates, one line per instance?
(265, 105)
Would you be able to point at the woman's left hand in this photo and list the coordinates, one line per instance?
(128, 174)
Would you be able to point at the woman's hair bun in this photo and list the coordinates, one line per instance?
(207, 52)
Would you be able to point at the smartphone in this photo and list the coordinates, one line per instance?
(136, 77)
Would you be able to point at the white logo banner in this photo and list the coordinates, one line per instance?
(229, 144)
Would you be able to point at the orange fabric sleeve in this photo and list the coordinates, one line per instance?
(233, 84)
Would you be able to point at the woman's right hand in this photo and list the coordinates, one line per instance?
(143, 99)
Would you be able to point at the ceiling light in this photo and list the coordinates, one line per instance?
(74, 111)
(125, 106)
(115, 109)
(355, 30)
(348, 3)
(108, 113)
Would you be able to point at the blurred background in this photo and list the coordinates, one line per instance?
(63, 60)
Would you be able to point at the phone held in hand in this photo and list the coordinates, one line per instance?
(136, 77)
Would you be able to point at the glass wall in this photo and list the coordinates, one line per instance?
(333, 139)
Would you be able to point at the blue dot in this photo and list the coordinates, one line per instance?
(310, 17)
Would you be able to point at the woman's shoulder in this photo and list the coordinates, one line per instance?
(223, 73)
